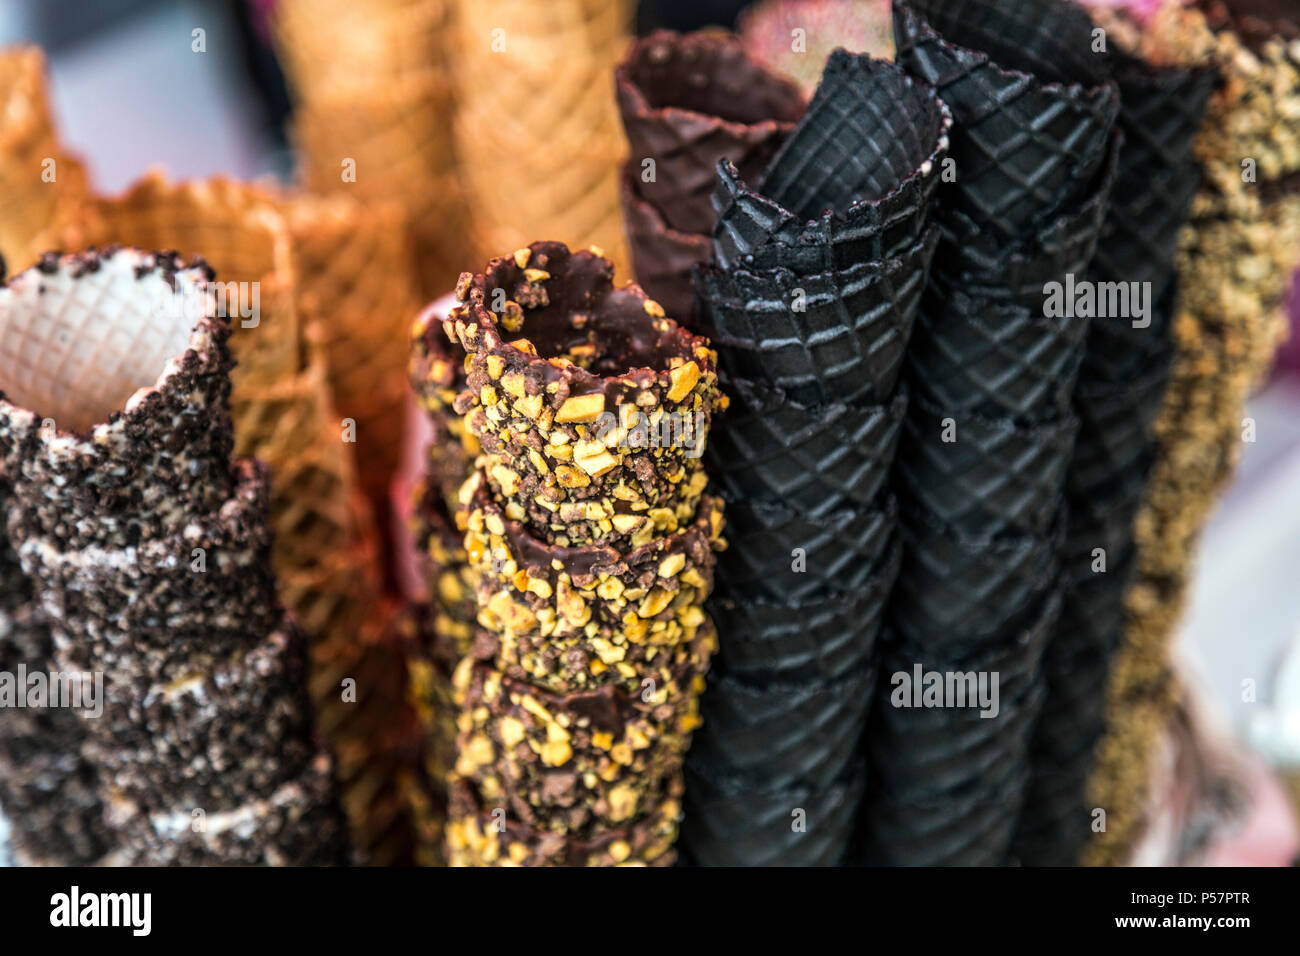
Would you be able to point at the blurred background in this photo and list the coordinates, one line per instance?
(130, 91)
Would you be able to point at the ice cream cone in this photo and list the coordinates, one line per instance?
(530, 84)
(42, 187)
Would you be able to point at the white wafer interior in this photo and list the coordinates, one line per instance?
(75, 349)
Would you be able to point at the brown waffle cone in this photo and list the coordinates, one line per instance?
(1233, 269)
(33, 211)
(522, 109)
(359, 311)
(237, 229)
(398, 137)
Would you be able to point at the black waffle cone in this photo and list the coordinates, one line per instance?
(821, 638)
(954, 588)
(730, 824)
(1139, 238)
(840, 552)
(995, 478)
(815, 459)
(974, 356)
(833, 337)
(971, 828)
(782, 735)
(1115, 430)
(1119, 351)
(1032, 115)
(977, 261)
(869, 129)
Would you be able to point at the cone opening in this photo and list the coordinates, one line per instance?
(81, 335)
(572, 314)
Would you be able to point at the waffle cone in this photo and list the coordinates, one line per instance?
(522, 175)
(359, 312)
(328, 44)
(33, 209)
(237, 229)
(397, 137)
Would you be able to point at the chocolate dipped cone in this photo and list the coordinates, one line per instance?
(622, 395)
(662, 258)
(689, 101)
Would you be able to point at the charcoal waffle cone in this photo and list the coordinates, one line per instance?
(614, 616)
(780, 555)
(758, 233)
(732, 824)
(834, 337)
(968, 828)
(996, 477)
(1115, 430)
(42, 187)
(361, 312)
(981, 357)
(815, 459)
(476, 838)
(782, 735)
(1033, 108)
(978, 262)
(1139, 239)
(868, 132)
(574, 764)
(689, 101)
(119, 331)
(1162, 109)
(818, 639)
(662, 258)
(624, 395)
(1121, 349)
(954, 587)
(521, 107)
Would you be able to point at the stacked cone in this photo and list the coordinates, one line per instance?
(375, 101)
(688, 101)
(982, 464)
(1119, 393)
(1234, 266)
(441, 630)
(281, 269)
(148, 554)
(819, 272)
(590, 546)
(535, 106)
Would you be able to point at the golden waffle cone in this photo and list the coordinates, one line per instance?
(33, 211)
(360, 311)
(328, 43)
(237, 229)
(1236, 260)
(397, 136)
(522, 110)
